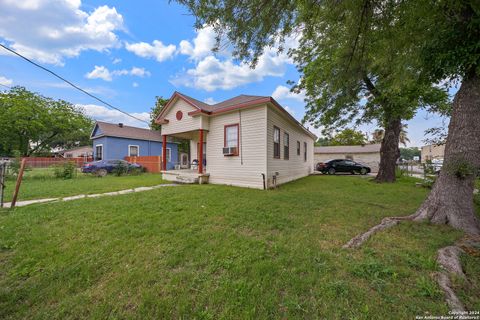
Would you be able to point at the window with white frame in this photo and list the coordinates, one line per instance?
(169, 155)
(231, 138)
(286, 146)
(133, 151)
(99, 152)
(276, 142)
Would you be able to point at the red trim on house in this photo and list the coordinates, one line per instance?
(200, 155)
(176, 94)
(238, 136)
(164, 152)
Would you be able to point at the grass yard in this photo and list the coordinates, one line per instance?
(210, 252)
(39, 183)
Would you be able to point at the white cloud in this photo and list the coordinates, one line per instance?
(214, 72)
(210, 100)
(104, 114)
(135, 85)
(202, 44)
(156, 50)
(211, 74)
(5, 81)
(282, 92)
(101, 72)
(50, 31)
(140, 72)
(116, 60)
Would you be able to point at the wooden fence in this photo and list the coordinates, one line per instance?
(150, 163)
(45, 162)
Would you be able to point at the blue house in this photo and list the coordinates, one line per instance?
(116, 141)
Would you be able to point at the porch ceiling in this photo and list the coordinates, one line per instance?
(189, 135)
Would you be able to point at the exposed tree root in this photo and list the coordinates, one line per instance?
(386, 223)
(449, 260)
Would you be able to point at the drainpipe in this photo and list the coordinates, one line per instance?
(263, 177)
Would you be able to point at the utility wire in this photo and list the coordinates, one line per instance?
(71, 84)
(4, 85)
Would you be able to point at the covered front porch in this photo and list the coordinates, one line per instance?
(195, 169)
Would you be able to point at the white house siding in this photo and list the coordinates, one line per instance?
(244, 170)
(187, 123)
(295, 167)
(370, 159)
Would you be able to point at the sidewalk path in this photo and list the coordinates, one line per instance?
(82, 196)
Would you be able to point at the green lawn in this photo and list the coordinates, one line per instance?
(39, 183)
(212, 252)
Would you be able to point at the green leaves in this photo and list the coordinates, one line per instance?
(31, 123)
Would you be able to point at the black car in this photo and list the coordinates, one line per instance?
(102, 167)
(342, 165)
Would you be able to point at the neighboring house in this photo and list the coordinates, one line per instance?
(432, 152)
(79, 152)
(117, 141)
(368, 154)
(248, 141)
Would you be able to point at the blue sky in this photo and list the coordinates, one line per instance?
(128, 52)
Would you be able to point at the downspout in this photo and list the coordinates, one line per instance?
(240, 136)
(263, 177)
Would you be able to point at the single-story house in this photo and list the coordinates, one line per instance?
(432, 152)
(248, 141)
(117, 141)
(79, 152)
(368, 154)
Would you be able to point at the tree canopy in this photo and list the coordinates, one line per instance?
(160, 102)
(348, 137)
(33, 124)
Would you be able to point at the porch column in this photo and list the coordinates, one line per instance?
(164, 152)
(200, 151)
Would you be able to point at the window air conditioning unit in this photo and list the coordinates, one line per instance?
(229, 151)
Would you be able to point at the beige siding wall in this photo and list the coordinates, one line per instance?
(295, 167)
(245, 169)
(370, 159)
(432, 152)
(187, 123)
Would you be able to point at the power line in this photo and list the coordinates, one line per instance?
(3, 85)
(71, 84)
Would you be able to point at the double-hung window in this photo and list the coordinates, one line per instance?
(231, 137)
(286, 146)
(298, 148)
(305, 151)
(133, 151)
(276, 142)
(99, 152)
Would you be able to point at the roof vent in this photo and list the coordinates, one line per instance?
(120, 125)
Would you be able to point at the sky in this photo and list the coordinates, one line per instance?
(128, 52)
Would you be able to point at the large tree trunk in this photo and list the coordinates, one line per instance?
(389, 151)
(451, 199)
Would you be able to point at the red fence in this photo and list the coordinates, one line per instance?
(150, 163)
(45, 162)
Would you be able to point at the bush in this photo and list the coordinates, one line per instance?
(121, 169)
(66, 170)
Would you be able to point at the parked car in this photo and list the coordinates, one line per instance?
(342, 165)
(102, 167)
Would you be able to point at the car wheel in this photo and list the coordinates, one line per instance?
(101, 172)
(363, 171)
(331, 171)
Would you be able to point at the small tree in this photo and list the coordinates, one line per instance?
(160, 102)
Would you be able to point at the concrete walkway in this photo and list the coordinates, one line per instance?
(82, 196)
